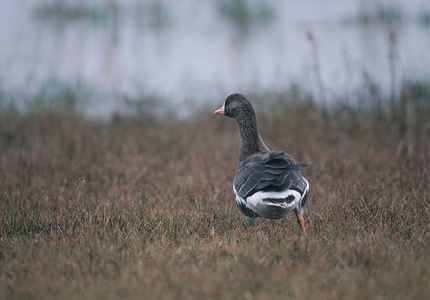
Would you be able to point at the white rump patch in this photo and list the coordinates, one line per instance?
(270, 210)
(256, 203)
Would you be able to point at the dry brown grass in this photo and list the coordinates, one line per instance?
(134, 210)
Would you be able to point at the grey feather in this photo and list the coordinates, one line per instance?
(256, 172)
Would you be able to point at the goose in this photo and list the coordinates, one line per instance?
(267, 184)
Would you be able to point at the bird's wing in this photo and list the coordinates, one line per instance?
(271, 171)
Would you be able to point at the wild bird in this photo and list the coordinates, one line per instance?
(267, 183)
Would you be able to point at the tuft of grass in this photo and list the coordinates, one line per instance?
(51, 96)
(71, 11)
(423, 17)
(243, 14)
(133, 209)
(379, 14)
(155, 16)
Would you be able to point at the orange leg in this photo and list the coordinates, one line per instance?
(301, 223)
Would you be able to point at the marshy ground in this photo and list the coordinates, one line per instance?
(144, 210)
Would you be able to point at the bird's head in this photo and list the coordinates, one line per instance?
(234, 105)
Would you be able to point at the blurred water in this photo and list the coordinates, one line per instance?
(187, 53)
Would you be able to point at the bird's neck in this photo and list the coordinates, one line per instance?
(250, 139)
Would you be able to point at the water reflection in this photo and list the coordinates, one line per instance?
(190, 53)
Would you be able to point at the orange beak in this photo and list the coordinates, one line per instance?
(220, 111)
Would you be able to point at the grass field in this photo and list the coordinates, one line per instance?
(138, 210)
